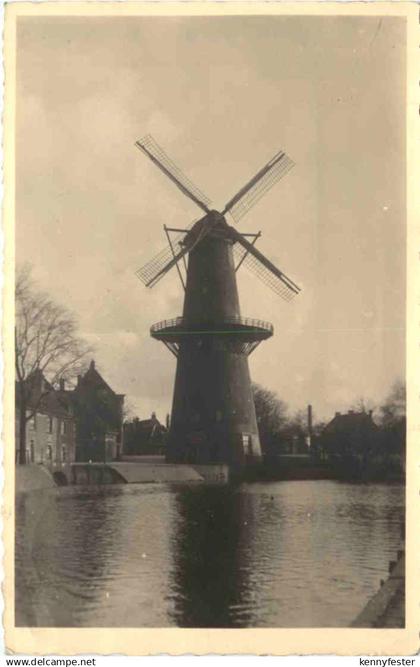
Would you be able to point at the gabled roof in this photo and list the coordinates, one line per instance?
(351, 421)
(94, 379)
(43, 397)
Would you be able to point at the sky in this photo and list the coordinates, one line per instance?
(222, 95)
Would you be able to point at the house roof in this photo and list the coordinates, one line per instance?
(351, 421)
(43, 397)
(146, 427)
(93, 378)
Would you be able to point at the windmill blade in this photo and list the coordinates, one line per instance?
(154, 270)
(157, 155)
(265, 270)
(268, 278)
(154, 266)
(252, 192)
(166, 259)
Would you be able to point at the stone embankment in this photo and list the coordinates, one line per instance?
(150, 470)
(146, 472)
(138, 473)
(387, 607)
(33, 477)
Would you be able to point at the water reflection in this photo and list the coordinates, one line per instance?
(281, 554)
(63, 558)
(207, 576)
(289, 555)
(94, 556)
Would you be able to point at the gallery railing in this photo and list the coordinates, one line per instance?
(179, 323)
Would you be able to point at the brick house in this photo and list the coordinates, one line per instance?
(51, 429)
(98, 412)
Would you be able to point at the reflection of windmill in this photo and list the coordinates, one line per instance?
(213, 413)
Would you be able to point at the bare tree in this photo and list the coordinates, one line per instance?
(363, 404)
(128, 411)
(298, 423)
(271, 414)
(46, 341)
(394, 407)
(318, 427)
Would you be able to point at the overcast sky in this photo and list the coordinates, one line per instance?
(221, 95)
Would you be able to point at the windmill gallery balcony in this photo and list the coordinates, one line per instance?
(244, 333)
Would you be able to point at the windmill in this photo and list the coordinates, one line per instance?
(213, 413)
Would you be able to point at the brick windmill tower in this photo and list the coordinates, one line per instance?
(213, 412)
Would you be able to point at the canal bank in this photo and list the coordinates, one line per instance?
(32, 477)
(154, 469)
(386, 609)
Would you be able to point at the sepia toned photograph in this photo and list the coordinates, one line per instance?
(210, 229)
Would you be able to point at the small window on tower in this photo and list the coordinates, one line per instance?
(246, 442)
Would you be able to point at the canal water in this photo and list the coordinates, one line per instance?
(280, 554)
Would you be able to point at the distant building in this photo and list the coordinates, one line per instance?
(352, 435)
(145, 436)
(51, 429)
(98, 412)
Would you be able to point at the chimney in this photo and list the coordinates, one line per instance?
(154, 416)
(62, 384)
(309, 420)
(370, 413)
(79, 379)
(351, 412)
(92, 365)
(168, 421)
(338, 414)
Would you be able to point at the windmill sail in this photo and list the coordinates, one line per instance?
(252, 192)
(237, 206)
(152, 149)
(163, 262)
(157, 275)
(268, 278)
(148, 272)
(265, 270)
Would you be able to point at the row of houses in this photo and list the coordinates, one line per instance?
(83, 423)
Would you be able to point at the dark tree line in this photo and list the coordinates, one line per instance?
(369, 442)
(392, 443)
(277, 428)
